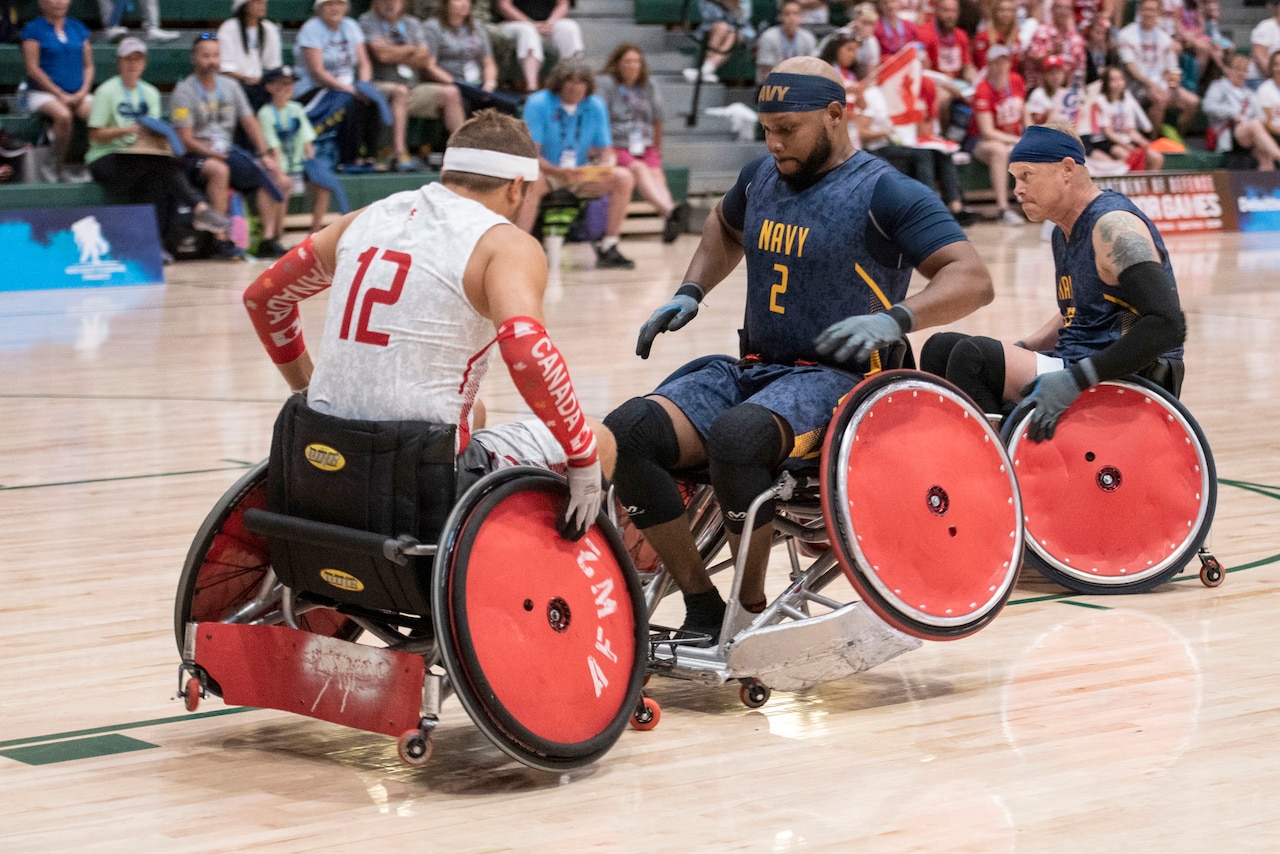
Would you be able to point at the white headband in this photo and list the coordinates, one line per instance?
(495, 164)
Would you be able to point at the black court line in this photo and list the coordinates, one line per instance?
(1064, 598)
(123, 477)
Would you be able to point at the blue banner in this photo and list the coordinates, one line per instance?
(50, 248)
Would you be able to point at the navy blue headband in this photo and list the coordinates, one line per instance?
(798, 93)
(1040, 144)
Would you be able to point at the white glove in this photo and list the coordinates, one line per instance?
(585, 493)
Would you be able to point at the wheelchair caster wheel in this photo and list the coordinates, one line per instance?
(1211, 572)
(414, 748)
(192, 694)
(646, 715)
(754, 694)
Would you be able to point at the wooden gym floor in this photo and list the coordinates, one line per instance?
(1072, 723)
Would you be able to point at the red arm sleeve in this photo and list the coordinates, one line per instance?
(541, 376)
(272, 300)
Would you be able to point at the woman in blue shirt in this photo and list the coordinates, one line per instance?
(59, 71)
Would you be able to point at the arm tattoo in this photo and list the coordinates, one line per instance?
(1126, 243)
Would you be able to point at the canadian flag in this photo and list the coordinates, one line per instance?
(899, 82)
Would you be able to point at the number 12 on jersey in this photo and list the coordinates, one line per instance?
(373, 296)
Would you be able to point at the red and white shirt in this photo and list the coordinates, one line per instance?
(1004, 104)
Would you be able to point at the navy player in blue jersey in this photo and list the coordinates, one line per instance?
(830, 236)
(1118, 311)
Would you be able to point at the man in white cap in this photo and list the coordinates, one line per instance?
(435, 272)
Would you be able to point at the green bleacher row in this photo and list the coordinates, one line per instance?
(361, 190)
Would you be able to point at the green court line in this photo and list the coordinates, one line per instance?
(81, 748)
(1259, 488)
(1086, 605)
(120, 478)
(135, 725)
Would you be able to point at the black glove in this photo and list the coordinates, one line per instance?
(669, 317)
(855, 338)
(1051, 394)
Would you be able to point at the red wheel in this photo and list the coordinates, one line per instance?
(544, 640)
(192, 697)
(754, 694)
(646, 715)
(414, 748)
(922, 505)
(1122, 496)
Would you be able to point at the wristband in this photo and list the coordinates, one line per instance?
(902, 314)
(1084, 373)
(691, 289)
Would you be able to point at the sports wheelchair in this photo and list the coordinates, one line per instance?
(377, 530)
(914, 501)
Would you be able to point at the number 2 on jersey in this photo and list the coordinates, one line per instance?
(374, 296)
(778, 289)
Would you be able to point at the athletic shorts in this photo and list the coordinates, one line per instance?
(803, 396)
(652, 157)
(243, 179)
(520, 443)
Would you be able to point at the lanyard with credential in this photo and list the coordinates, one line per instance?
(561, 117)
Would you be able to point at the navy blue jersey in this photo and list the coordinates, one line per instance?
(843, 246)
(1095, 314)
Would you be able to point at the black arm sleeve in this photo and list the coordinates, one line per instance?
(908, 222)
(1160, 326)
(733, 207)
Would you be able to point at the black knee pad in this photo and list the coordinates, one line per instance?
(744, 448)
(647, 448)
(976, 365)
(937, 350)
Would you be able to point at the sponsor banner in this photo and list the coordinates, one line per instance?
(1180, 203)
(53, 248)
(1257, 199)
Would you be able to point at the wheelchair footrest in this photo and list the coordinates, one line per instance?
(793, 656)
(276, 667)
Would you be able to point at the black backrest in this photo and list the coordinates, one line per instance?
(387, 477)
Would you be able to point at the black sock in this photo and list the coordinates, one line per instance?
(704, 610)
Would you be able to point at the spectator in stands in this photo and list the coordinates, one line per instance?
(112, 12)
(636, 117)
(290, 138)
(997, 124)
(207, 108)
(1100, 48)
(1264, 40)
(250, 45)
(1003, 28)
(947, 52)
(401, 62)
(892, 31)
(1057, 37)
(1112, 124)
(461, 48)
(1048, 101)
(861, 28)
(1235, 119)
(134, 163)
(570, 124)
(59, 62)
(784, 40)
(533, 22)
(335, 58)
(1269, 97)
(1150, 57)
(725, 25)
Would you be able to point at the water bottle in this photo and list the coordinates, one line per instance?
(20, 100)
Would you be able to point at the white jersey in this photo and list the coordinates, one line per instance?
(401, 340)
